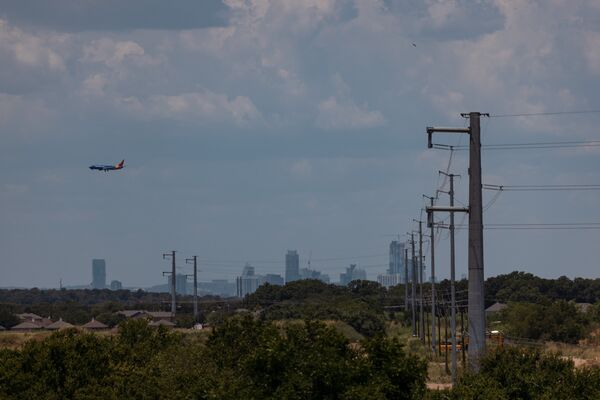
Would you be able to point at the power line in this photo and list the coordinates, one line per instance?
(533, 188)
(520, 146)
(541, 226)
(544, 113)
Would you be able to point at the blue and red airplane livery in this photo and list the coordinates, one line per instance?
(107, 168)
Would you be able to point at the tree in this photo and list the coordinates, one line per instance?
(514, 373)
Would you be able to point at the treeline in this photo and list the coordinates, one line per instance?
(360, 304)
(515, 286)
(80, 296)
(526, 287)
(242, 359)
(81, 305)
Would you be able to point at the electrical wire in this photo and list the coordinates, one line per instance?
(544, 113)
(534, 188)
(539, 226)
(521, 146)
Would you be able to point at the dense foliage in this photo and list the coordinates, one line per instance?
(243, 359)
(514, 373)
(526, 287)
(79, 306)
(360, 304)
(558, 321)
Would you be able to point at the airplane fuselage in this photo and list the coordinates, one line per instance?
(107, 168)
(103, 167)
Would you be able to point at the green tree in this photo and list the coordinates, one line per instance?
(514, 373)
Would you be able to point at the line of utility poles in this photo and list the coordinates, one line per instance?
(476, 310)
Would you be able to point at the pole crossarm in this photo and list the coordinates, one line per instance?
(431, 209)
(432, 129)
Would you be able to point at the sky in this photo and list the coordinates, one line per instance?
(250, 127)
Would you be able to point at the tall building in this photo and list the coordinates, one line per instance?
(98, 274)
(352, 274)
(395, 274)
(396, 264)
(292, 266)
(248, 282)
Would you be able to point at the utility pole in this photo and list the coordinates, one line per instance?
(476, 310)
(406, 279)
(421, 316)
(432, 262)
(452, 279)
(194, 260)
(173, 274)
(413, 286)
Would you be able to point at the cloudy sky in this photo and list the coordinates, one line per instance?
(250, 127)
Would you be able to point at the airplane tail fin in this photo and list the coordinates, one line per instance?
(121, 164)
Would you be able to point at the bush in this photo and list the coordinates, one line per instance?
(559, 321)
(513, 373)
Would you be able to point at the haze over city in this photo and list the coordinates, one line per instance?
(250, 128)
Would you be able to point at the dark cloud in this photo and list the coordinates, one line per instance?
(100, 15)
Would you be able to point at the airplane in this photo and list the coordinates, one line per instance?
(107, 168)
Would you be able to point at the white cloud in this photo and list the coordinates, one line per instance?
(201, 107)
(111, 53)
(335, 115)
(95, 84)
(443, 11)
(29, 49)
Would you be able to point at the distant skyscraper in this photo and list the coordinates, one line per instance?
(116, 285)
(248, 282)
(396, 265)
(389, 280)
(98, 274)
(352, 274)
(395, 272)
(292, 266)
